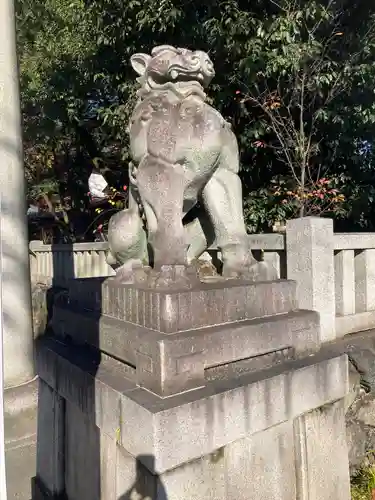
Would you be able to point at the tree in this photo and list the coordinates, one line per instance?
(308, 47)
(287, 79)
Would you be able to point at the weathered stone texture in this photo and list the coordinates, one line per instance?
(211, 443)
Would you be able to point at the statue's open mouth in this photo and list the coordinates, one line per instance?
(186, 75)
(196, 73)
(189, 76)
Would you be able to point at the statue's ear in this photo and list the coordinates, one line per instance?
(140, 62)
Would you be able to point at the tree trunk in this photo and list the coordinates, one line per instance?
(302, 210)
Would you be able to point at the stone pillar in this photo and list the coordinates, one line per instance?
(14, 257)
(345, 282)
(310, 261)
(322, 454)
(364, 263)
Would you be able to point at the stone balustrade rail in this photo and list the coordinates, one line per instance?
(59, 263)
(335, 272)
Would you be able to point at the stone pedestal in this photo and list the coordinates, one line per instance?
(174, 338)
(218, 393)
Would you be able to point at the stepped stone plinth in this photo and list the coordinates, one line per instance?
(173, 337)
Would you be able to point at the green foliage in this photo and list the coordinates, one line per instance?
(295, 79)
(363, 484)
(282, 201)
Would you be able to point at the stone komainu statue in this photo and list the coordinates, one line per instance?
(184, 153)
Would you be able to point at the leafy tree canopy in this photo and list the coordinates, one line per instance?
(295, 77)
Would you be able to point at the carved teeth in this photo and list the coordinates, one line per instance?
(174, 74)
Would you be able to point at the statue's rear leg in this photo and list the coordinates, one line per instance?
(222, 197)
(223, 200)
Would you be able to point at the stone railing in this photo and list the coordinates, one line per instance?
(62, 262)
(335, 273)
(269, 248)
(354, 255)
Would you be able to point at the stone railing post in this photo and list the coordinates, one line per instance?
(310, 262)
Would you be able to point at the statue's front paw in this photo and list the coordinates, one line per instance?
(132, 272)
(206, 270)
(174, 276)
(257, 271)
(261, 271)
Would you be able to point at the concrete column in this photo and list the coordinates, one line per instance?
(14, 257)
(310, 261)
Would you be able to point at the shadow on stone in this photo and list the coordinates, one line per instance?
(67, 447)
(146, 486)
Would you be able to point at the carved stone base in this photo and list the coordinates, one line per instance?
(176, 309)
(261, 271)
(171, 338)
(168, 277)
(171, 277)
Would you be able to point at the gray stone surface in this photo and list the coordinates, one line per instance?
(203, 479)
(262, 466)
(361, 411)
(344, 281)
(51, 426)
(222, 412)
(310, 261)
(354, 323)
(171, 337)
(58, 263)
(167, 364)
(187, 410)
(133, 478)
(183, 152)
(322, 456)
(365, 280)
(234, 439)
(82, 460)
(359, 403)
(20, 469)
(171, 311)
(15, 274)
(39, 304)
(20, 419)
